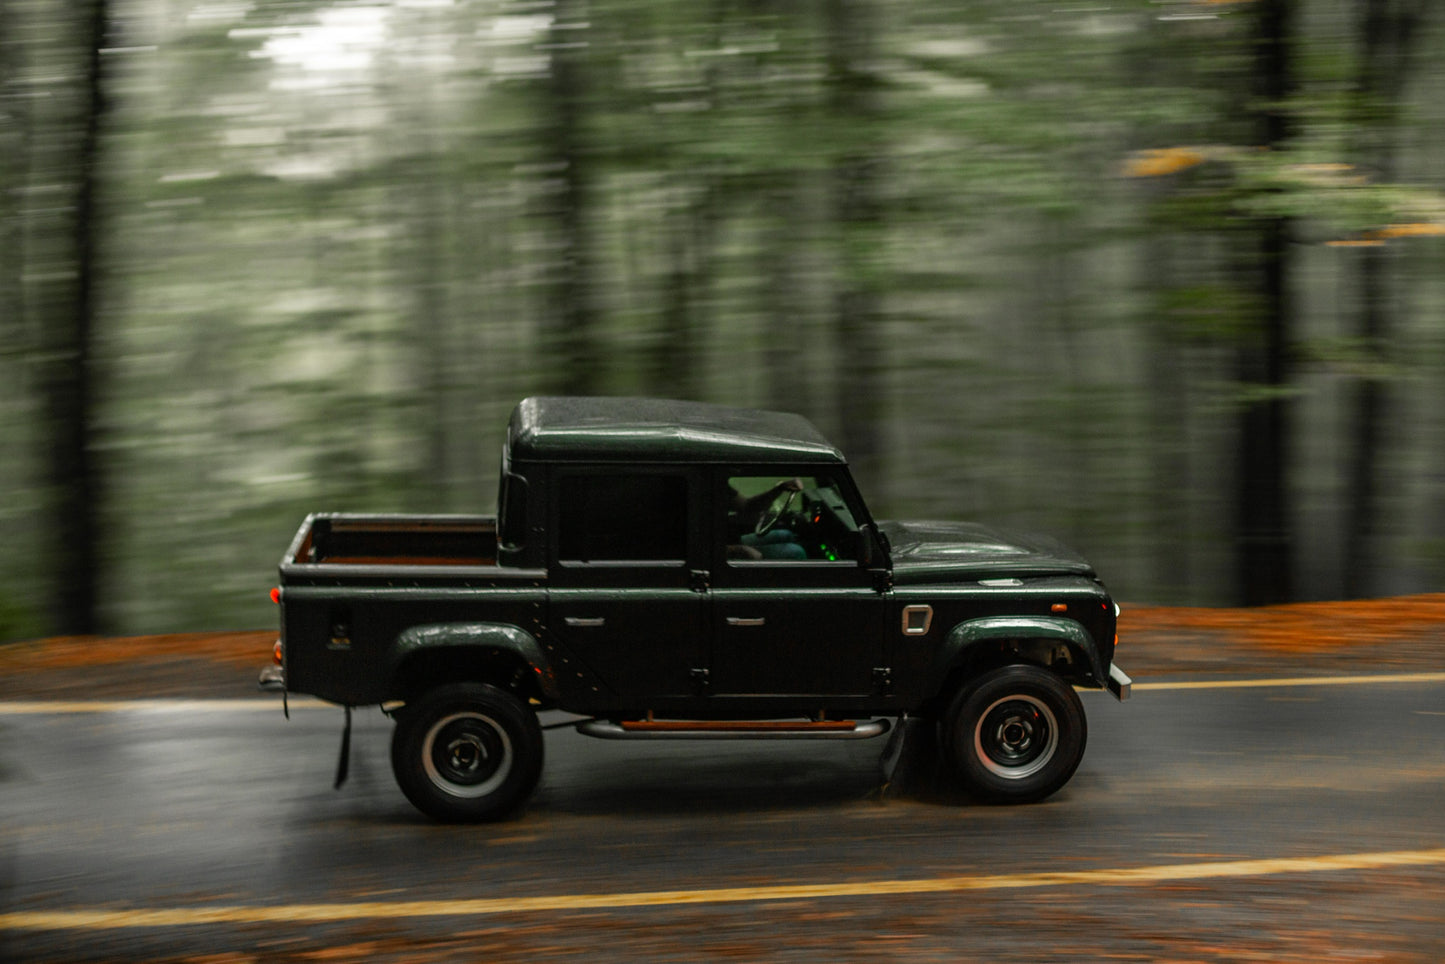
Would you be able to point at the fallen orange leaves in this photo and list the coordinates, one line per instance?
(1300, 627)
(63, 652)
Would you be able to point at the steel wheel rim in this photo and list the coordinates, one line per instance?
(1016, 737)
(467, 754)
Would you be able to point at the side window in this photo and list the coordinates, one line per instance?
(793, 518)
(622, 518)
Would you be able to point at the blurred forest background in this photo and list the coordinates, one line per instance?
(1162, 277)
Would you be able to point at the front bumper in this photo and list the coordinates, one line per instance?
(1119, 683)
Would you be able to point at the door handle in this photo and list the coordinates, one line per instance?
(584, 621)
(740, 621)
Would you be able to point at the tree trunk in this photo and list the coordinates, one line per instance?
(781, 304)
(1388, 30)
(13, 150)
(1369, 406)
(437, 355)
(1264, 542)
(66, 369)
(691, 237)
(1168, 420)
(571, 331)
(858, 222)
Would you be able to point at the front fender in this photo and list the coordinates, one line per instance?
(962, 640)
(497, 637)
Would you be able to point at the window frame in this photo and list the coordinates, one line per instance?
(804, 571)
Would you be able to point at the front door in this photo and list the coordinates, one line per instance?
(794, 616)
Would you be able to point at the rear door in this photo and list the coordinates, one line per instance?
(624, 597)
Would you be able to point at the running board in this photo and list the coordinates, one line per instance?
(732, 729)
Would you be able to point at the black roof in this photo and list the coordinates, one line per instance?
(660, 430)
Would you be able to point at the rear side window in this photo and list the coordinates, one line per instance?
(622, 518)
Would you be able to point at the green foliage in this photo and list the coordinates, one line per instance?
(333, 250)
(18, 620)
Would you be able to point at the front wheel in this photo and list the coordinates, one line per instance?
(467, 752)
(1016, 734)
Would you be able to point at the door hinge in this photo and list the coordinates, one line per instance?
(883, 679)
(700, 680)
(699, 580)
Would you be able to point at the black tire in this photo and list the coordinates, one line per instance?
(1016, 735)
(467, 752)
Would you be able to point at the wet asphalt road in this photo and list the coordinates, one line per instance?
(229, 806)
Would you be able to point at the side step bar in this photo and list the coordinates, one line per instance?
(732, 729)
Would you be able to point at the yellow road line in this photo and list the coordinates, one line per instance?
(119, 918)
(1239, 684)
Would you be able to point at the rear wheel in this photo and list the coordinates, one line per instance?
(1016, 735)
(467, 752)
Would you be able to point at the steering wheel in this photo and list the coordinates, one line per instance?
(770, 516)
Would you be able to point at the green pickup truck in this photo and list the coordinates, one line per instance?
(678, 570)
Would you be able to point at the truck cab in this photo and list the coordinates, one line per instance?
(701, 560)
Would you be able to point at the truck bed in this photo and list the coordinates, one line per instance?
(395, 540)
(353, 585)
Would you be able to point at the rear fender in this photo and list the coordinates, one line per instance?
(476, 638)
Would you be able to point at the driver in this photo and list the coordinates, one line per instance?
(749, 512)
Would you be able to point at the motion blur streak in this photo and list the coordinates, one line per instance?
(30, 707)
(319, 913)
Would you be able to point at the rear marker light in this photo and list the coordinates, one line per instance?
(276, 595)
